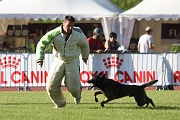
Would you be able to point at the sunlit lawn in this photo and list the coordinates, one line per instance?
(37, 106)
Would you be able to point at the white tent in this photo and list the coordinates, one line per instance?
(102, 10)
(152, 13)
(155, 9)
(57, 9)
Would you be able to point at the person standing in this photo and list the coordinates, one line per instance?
(68, 43)
(145, 44)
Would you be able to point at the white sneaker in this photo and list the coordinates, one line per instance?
(61, 106)
(77, 100)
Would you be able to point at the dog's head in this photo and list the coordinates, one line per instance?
(97, 80)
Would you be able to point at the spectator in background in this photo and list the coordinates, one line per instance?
(145, 44)
(112, 45)
(31, 44)
(38, 35)
(6, 46)
(95, 43)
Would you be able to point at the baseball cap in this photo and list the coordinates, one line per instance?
(97, 31)
(148, 29)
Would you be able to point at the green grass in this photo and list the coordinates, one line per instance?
(37, 106)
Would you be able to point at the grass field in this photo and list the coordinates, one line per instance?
(37, 106)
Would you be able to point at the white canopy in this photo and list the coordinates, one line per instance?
(148, 12)
(102, 10)
(54, 9)
(154, 9)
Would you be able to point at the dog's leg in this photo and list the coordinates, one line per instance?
(105, 101)
(148, 100)
(147, 104)
(152, 103)
(95, 94)
(141, 100)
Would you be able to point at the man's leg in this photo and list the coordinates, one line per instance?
(53, 85)
(72, 81)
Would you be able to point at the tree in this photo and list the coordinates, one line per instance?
(125, 4)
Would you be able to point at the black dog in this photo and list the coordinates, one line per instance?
(113, 90)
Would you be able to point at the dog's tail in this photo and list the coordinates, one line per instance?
(149, 83)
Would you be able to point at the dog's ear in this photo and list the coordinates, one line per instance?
(100, 73)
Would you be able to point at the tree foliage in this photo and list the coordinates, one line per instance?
(175, 48)
(125, 4)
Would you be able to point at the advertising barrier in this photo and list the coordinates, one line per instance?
(18, 69)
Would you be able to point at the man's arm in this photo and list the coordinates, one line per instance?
(138, 47)
(84, 47)
(44, 43)
(151, 46)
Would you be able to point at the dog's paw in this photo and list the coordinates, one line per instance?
(147, 104)
(102, 105)
(96, 99)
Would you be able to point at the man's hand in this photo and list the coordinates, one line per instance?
(40, 63)
(99, 51)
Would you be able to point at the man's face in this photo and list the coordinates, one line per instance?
(68, 26)
(151, 32)
(97, 36)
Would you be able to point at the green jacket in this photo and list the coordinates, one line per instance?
(66, 50)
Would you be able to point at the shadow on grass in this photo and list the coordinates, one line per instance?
(129, 105)
(133, 107)
(167, 107)
(136, 107)
(95, 105)
(23, 103)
